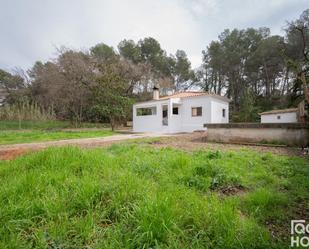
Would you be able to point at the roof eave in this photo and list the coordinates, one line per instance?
(278, 112)
(196, 96)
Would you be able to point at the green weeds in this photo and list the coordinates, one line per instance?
(28, 136)
(133, 196)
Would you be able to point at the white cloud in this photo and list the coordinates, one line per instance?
(167, 21)
(31, 29)
(204, 7)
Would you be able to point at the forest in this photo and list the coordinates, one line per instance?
(258, 71)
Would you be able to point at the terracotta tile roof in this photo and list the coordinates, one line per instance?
(279, 111)
(184, 95)
(192, 94)
(188, 94)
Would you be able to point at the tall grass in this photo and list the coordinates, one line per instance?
(45, 125)
(129, 196)
(34, 125)
(27, 115)
(26, 111)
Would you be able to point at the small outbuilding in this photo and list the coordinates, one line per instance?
(180, 112)
(280, 116)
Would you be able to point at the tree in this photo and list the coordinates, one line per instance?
(148, 55)
(3, 78)
(64, 84)
(212, 69)
(245, 64)
(103, 52)
(109, 94)
(249, 110)
(183, 74)
(14, 85)
(297, 35)
(169, 72)
(131, 51)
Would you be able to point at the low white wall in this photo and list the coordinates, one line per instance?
(288, 117)
(290, 134)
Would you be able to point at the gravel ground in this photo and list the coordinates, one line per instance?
(195, 141)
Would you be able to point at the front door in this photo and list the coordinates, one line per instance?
(164, 115)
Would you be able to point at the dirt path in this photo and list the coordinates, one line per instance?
(11, 151)
(188, 142)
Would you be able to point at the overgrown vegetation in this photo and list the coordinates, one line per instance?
(23, 110)
(28, 136)
(132, 196)
(259, 71)
(256, 70)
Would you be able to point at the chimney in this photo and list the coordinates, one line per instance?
(156, 94)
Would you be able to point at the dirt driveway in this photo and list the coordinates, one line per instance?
(11, 151)
(188, 142)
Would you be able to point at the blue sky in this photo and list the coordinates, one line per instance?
(31, 30)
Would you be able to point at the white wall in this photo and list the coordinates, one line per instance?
(288, 117)
(175, 121)
(190, 123)
(216, 111)
(148, 123)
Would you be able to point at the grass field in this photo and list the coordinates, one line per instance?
(28, 136)
(134, 196)
(44, 125)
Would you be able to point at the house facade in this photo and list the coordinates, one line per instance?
(180, 112)
(280, 116)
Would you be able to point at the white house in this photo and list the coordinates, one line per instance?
(180, 112)
(279, 116)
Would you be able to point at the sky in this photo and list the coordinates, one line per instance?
(32, 30)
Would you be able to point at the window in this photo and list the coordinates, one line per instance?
(146, 111)
(196, 111)
(223, 113)
(278, 117)
(175, 110)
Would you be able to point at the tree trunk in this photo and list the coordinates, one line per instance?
(303, 80)
(112, 123)
(267, 79)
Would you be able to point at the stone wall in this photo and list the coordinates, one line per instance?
(293, 134)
